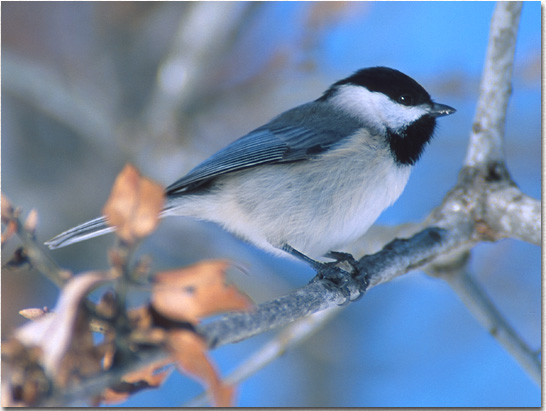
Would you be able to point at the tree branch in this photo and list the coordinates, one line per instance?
(396, 258)
(515, 215)
(43, 88)
(481, 306)
(291, 336)
(487, 138)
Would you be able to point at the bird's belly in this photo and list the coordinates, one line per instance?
(314, 206)
(312, 210)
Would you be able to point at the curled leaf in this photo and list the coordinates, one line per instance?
(134, 205)
(190, 353)
(194, 292)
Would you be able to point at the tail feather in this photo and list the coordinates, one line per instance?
(93, 228)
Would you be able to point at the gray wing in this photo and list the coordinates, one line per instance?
(269, 144)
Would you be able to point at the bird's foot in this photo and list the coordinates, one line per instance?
(347, 281)
(342, 274)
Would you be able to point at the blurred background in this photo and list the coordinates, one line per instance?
(90, 86)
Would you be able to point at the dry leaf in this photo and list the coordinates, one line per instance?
(134, 205)
(136, 381)
(190, 353)
(194, 292)
(24, 381)
(65, 338)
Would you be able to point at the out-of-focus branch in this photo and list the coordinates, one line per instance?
(43, 89)
(39, 258)
(204, 35)
(287, 339)
(479, 304)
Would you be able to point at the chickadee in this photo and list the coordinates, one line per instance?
(314, 178)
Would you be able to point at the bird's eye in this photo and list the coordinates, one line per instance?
(405, 99)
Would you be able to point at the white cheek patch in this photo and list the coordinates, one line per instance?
(376, 108)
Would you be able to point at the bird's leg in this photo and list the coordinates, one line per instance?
(317, 265)
(331, 272)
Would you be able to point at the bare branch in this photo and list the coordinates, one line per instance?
(396, 258)
(514, 214)
(46, 91)
(480, 305)
(195, 45)
(487, 138)
(40, 259)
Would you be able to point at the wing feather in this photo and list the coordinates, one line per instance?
(269, 144)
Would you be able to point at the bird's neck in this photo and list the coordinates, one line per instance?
(408, 143)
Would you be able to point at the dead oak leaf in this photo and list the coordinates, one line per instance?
(190, 353)
(134, 205)
(191, 293)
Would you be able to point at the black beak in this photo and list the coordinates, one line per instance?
(440, 110)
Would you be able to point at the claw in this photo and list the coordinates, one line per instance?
(336, 279)
(342, 257)
(333, 276)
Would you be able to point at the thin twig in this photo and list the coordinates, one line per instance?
(39, 258)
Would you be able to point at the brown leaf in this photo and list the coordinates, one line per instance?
(149, 207)
(136, 381)
(24, 381)
(144, 332)
(190, 353)
(134, 205)
(194, 292)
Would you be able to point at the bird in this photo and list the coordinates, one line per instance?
(314, 178)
